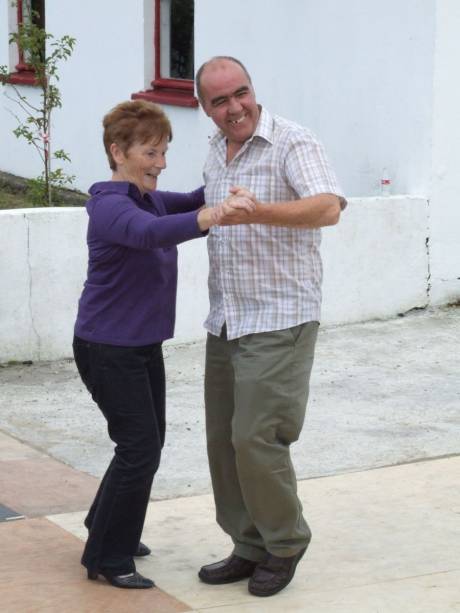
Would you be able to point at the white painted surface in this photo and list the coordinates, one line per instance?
(445, 192)
(357, 73)
(42, 267)
(108, 65)
(375, 267)
(373, 81)
(375, 260)
(16, 333)
(368, 96)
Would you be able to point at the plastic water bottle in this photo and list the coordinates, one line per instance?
(385, 183)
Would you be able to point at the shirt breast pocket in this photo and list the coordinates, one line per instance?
(260, 181)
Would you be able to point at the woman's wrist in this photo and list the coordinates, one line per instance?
(205, 219)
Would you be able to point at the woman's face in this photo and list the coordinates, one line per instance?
(141, 164)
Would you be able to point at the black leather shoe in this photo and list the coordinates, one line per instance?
(133, 581)
(229, 570)
(271, 576)
(142, 550)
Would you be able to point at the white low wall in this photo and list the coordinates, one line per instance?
(375, 261)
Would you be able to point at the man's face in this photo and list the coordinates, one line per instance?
(229, 99)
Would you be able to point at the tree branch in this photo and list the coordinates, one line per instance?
(21, 101)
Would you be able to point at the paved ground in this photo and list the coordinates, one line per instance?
(385, 539)
(382, 393)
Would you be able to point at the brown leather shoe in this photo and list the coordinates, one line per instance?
(229, 570)
(271, 576)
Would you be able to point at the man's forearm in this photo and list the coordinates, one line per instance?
(312, 212)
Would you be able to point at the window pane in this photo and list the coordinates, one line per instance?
(34, 11)
(38, 6)
(177, 39)
(31, 12)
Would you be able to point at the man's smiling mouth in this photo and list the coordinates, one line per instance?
(235, 122)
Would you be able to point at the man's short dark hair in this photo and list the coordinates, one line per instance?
(199, 73)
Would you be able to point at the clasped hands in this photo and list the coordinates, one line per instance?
(238, 208)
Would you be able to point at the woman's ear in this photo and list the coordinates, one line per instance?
(117, 154)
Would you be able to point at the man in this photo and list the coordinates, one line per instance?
(265, 294)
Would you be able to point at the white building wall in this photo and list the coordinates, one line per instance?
(15, 156)
(107, 66)
(445, 188)
(113, 58)
(358, 73)
(367, 271)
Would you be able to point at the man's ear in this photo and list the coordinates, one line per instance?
(117, 153)
(204, 109)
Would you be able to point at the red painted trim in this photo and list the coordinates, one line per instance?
(183, 84)
(24, 77)
(21, 65)
(156, 39)
(175, 97)
(177, 92)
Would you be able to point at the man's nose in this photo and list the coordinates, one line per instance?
(234, 105)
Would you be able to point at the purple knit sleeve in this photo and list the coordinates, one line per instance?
(175, 202)
(116, 219)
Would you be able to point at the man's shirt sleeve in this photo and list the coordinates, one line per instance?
(307, 168)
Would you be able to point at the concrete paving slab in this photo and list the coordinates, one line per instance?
(12, 449)
(382, 393)
(381, 538)
(37, 486)
(431, 594)
(40, 573)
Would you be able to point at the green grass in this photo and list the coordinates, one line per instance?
(9, 200)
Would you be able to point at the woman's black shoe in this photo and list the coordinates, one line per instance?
(133, 581)
(142, 550)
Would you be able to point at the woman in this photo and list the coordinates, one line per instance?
(126, 310)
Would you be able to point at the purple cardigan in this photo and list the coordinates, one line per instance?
(129, 297)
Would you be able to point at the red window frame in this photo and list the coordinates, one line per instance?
(177, 92)
(25, 74)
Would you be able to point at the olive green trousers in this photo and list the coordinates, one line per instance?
(256, 390)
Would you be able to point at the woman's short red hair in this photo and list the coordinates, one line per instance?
(134, 121)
